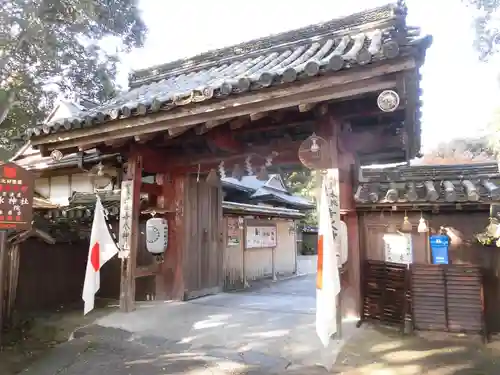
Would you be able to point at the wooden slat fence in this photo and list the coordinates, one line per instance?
(384, 297)
(447, 298)
(428, 297)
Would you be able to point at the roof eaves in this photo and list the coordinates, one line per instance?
(250, 208)
(154, 96)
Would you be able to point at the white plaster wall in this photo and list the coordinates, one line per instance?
(258, 263)
(286, 251)
(58, 189)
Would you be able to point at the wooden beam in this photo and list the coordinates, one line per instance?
(207, 163)
(258, 116)
(117, 142)
(306, 107)
(144, 138)
(127, 285)
(145, 271)
(239, 122)
(204, 128)
(170, 281)
(355, 82)
(152, 189)
(4, 248)
(214, 123)
(172, 133)
(321, 110)
(200, 129)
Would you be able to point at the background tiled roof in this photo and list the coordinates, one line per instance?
(449, 181)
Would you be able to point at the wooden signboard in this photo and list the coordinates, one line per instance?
(260, 236)
(125, 225)
(17, 187)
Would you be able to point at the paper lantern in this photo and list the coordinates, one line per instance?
(156, 235)
(422, 225)
(406, 226)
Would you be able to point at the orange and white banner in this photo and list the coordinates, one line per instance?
(327, 278)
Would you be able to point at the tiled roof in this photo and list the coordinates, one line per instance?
(81, 206)
(261, 190)
(252, 183)
(233, 207)
(287, 198)
(359, 39)
(31, 159)
(475, 183)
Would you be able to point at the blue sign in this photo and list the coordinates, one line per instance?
(439, 249)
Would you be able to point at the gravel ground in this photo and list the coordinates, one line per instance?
(386, 352)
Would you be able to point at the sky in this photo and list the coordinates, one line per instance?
(459, 93)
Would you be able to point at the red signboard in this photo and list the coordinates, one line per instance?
(17, 186)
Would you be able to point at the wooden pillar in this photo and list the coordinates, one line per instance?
(347, 204)
(344, 162)
(330, 128)
(354, 265)
(170, 280)
(128, 270)
(3, 277)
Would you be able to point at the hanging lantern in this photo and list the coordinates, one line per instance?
(238, 172)
(406, 226)
(212, 178)
(157, 236)
(422, 226)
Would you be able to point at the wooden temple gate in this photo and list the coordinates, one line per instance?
(247, 109)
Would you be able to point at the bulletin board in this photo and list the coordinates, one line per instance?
(398, 248)
(259, 236)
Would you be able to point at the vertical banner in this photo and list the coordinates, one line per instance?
(124, 231)
(327, 278)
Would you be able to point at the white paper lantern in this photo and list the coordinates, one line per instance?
(156, 235)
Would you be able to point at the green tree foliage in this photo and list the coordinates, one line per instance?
(487, 26)
(54, 47)
(303, 182)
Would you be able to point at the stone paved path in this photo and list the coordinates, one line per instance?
(266, 330)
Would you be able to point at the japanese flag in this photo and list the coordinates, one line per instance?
(102, 248)
(327, 277)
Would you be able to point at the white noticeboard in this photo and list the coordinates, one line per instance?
(260, 237)
(398, 248)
